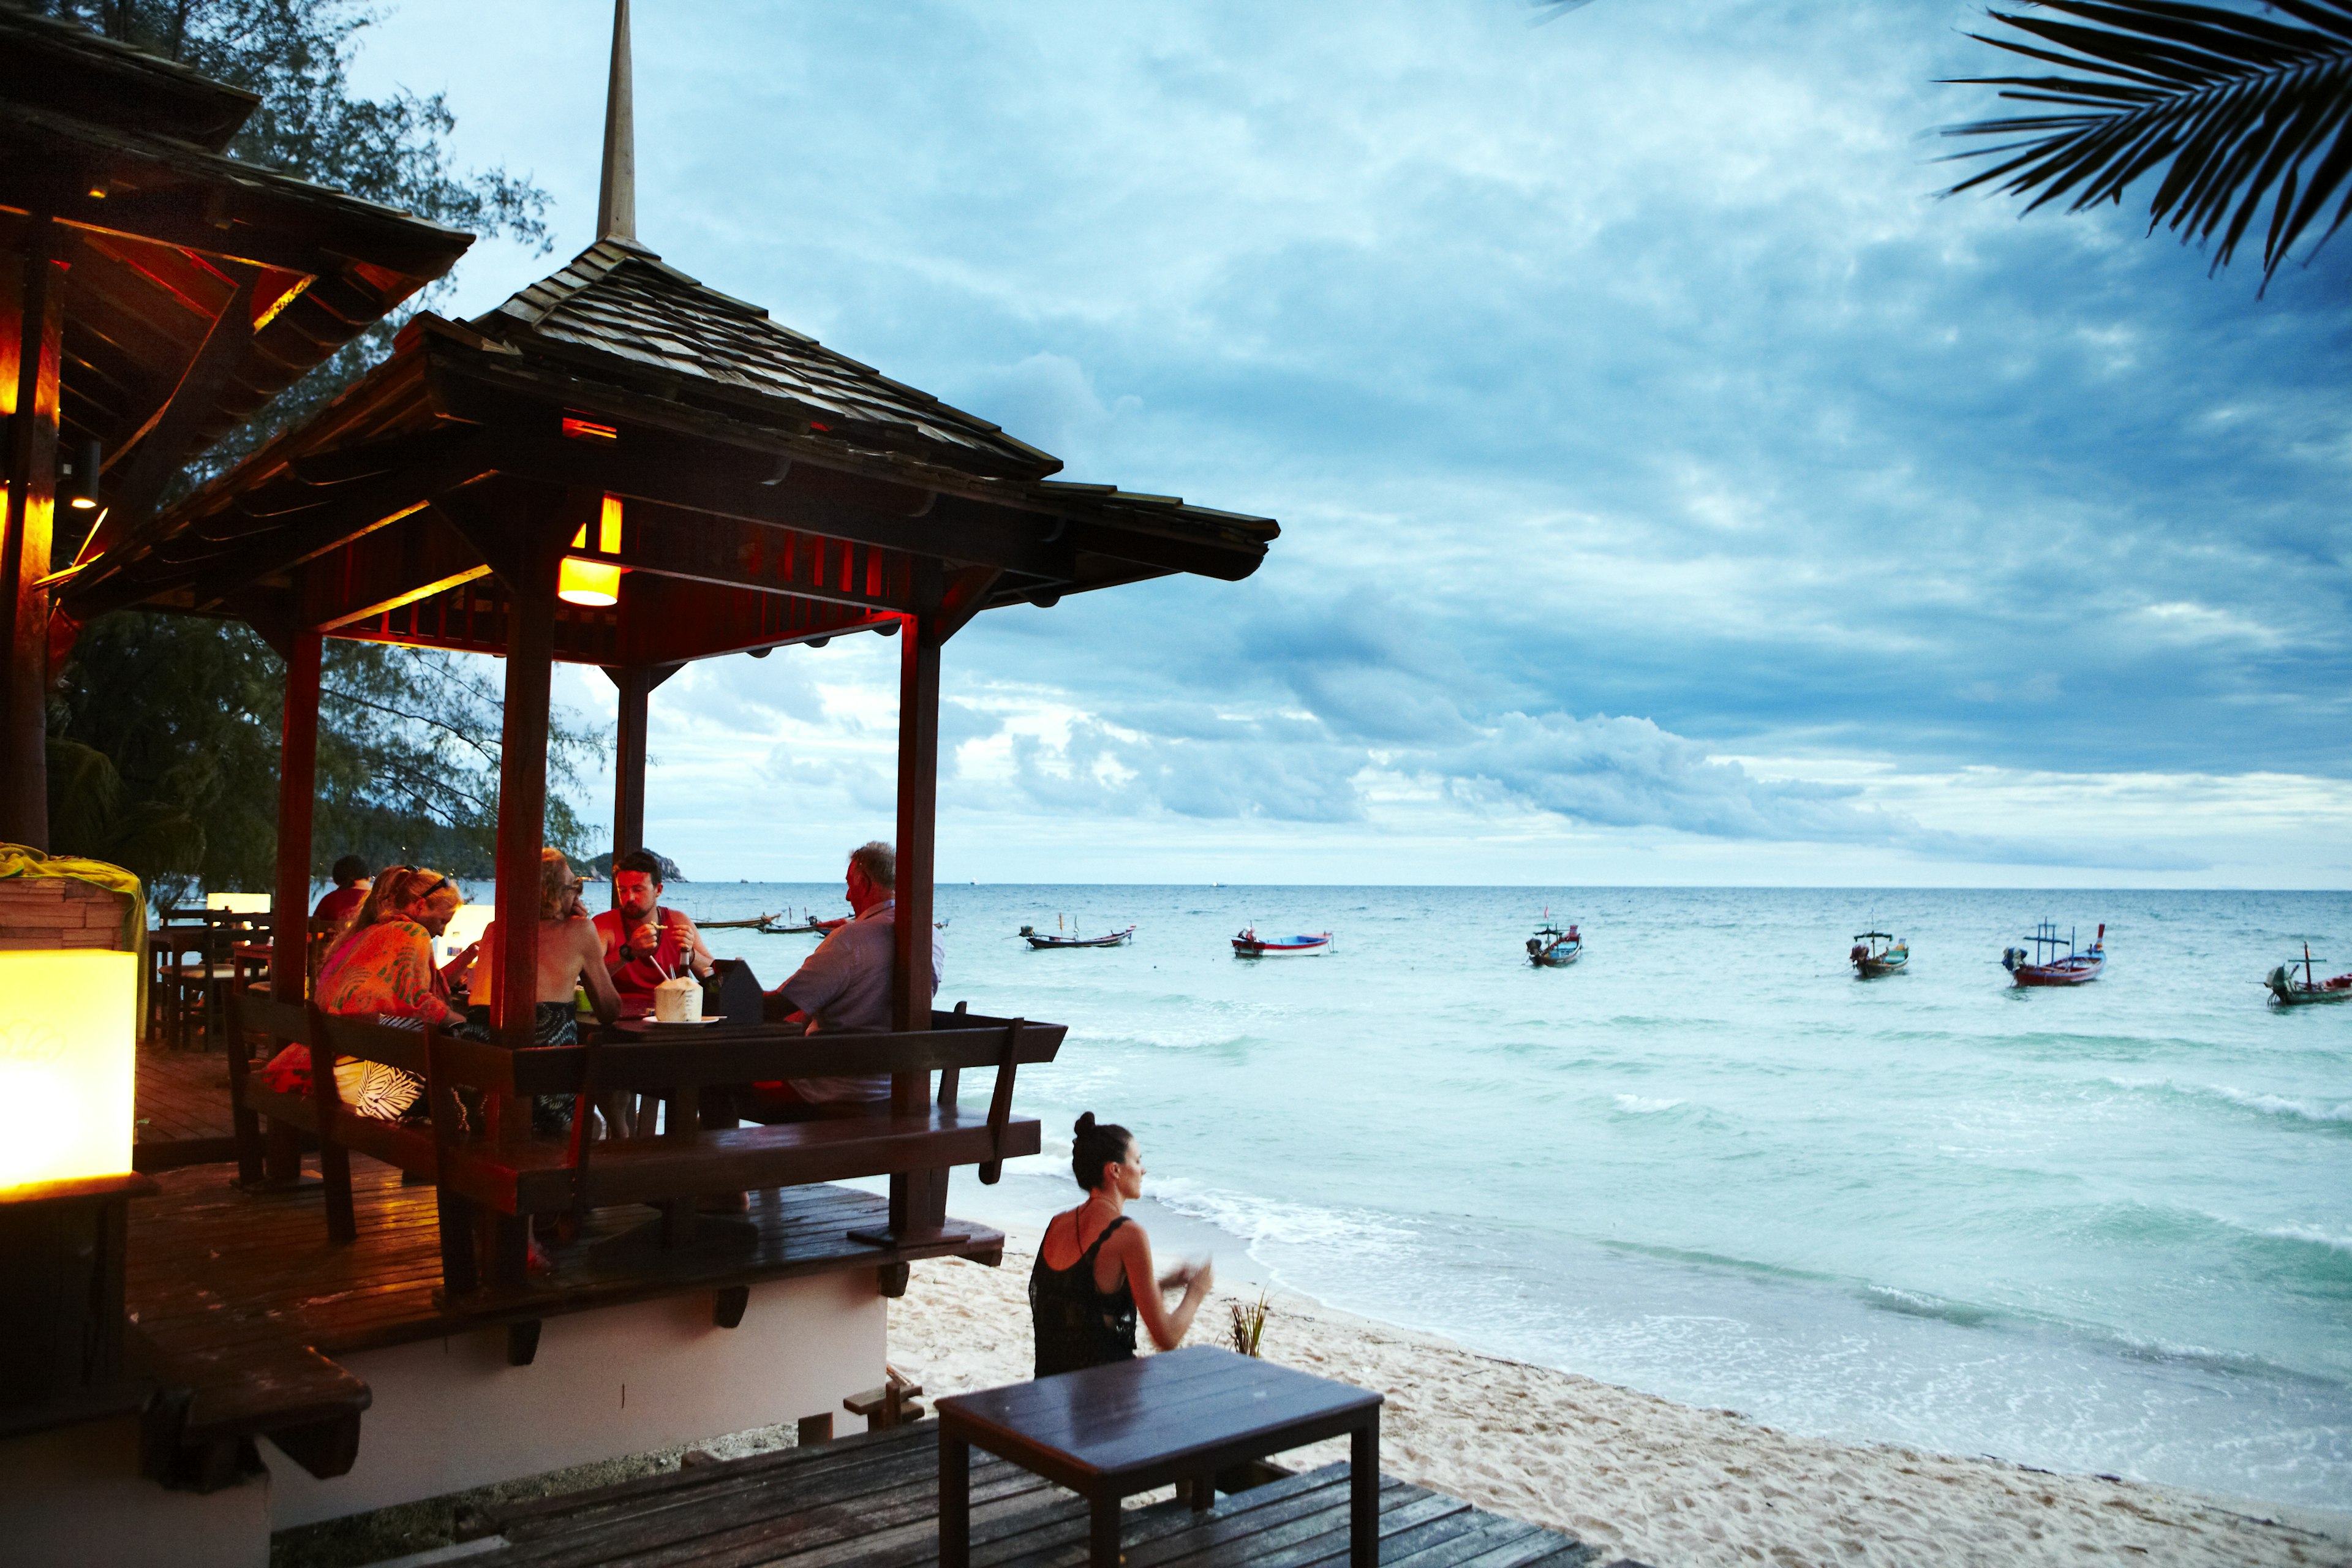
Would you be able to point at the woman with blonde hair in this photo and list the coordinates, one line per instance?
(383, 970)
(571, 955)
(384, 966)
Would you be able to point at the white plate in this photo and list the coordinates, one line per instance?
(681, 1023)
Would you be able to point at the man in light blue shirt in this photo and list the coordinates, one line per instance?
(845, 988)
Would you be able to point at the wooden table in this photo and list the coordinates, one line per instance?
(1111, 1431)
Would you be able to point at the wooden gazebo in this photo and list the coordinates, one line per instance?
(153, 294)
(623, 466)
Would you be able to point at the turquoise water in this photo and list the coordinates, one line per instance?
(2106, 1229)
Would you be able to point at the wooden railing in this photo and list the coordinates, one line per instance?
(494, 1175)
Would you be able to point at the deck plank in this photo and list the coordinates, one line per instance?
(872, 1502)
(261, 1266)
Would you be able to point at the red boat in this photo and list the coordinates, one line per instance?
(1249, 944)
(2044, 966)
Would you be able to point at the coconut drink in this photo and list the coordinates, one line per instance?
(678, 1001)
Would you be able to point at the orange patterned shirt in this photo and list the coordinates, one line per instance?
(385, 969)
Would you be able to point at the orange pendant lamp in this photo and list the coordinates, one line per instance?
(589, 582)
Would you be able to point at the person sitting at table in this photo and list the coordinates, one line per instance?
(339, 908)
(571, 956)
(384, 966)
(383, 901)
(383, 970)
(645, 943)
(845, 988)
(1082, 1298)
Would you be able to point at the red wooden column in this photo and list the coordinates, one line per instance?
(918, 1199)
(522, 753)
(629, 762)
(32, 323)
(297, 774)
(636, 683)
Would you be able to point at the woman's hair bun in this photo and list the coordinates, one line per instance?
(1097, 1144)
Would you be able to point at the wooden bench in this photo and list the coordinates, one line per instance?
(494, 1177)
(511, 1176)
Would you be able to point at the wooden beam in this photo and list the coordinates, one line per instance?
(297, 769)
(917, 1198)
(671, 542)
(417, 557)
(32, 324)
(708, 475)
(544, 523)
(307, 529)
(636, 683)
(166, 444)
(966, 594)
(669, 620)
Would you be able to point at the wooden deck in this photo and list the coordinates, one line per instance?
(240, 1303)
(183, 1110)
(872, 1502)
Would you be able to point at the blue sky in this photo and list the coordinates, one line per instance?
(1674, 490)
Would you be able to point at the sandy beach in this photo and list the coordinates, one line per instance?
(1641, 1476)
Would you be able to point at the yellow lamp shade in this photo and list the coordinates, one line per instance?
(596, 583)
(67, 1064)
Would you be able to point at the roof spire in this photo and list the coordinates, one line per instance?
(616, 199)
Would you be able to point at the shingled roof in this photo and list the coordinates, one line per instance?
(618, 301)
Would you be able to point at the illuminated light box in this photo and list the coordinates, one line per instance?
(239, 903)
(464, 927)
(67, 1064)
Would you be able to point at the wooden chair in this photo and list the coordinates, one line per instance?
(269, 1126)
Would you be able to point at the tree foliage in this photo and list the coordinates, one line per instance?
(295, 55)
(164, 729)
(2231, 109)
(164, 756)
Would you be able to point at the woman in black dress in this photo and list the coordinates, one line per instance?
(1081, 1292)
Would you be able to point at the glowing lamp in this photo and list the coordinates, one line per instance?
(594, 583)
(80, 474)
(239, 903)
(464, 927)
(67, 1064)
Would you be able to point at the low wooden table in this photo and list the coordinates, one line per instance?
(1111, 1431)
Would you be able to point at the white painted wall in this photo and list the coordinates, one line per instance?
(451, 1414)
(74, 1498)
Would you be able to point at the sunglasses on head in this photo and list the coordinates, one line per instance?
(418, 871)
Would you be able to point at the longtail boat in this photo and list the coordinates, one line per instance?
(1249, 944)
(758, 923)
(1056, 939)
(1877, 952)
(2289, 991)
(2044, 966)
(1552, 948)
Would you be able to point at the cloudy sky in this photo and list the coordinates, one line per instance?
(1673, 487)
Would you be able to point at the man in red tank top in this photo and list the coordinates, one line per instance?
(644, 943)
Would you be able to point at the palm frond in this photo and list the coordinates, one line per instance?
(2227, 110)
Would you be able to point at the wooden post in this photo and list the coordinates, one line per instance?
(522, 765)
(32, 325)
(918, 1199)
(298, 770)
(629, 762)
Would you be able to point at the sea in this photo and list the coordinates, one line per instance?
(2106, 1229)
